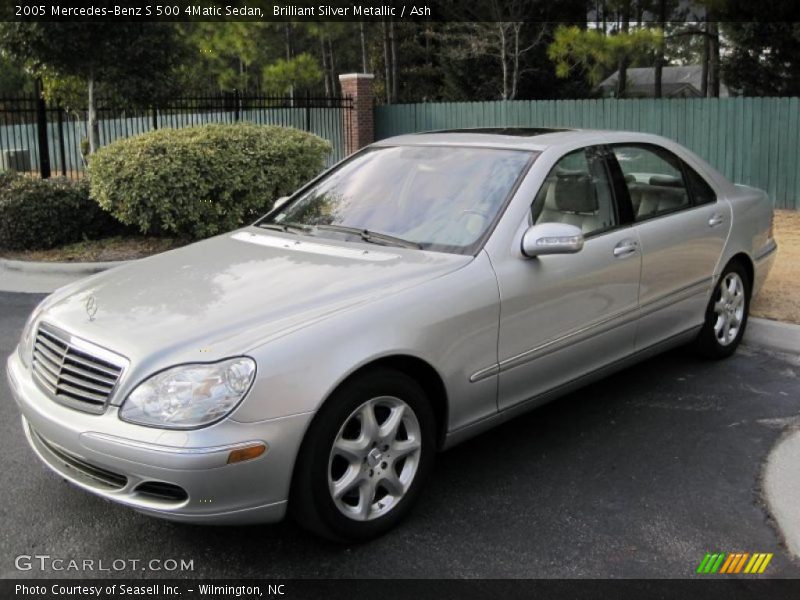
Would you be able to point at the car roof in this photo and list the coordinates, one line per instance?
(520, 138)
(540, 139)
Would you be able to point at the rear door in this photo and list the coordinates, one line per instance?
(682, 229)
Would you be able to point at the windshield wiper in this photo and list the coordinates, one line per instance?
(371, 236)
(286, 227)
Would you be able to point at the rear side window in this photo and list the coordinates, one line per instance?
(654, 178)
(701, 191)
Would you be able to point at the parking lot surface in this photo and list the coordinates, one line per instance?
(639, 475)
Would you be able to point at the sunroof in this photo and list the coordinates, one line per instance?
(515, 131)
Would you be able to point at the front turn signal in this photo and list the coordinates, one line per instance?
(246, 453)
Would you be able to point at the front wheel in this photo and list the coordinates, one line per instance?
(726, 315)
(365, 457)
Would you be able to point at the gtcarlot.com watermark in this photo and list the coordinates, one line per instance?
(46, 562)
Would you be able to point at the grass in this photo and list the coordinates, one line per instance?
(108, 249)
(779, 299)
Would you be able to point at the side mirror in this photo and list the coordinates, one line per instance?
(280, 202)
(551, 238)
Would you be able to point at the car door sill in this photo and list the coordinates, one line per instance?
(467, 431)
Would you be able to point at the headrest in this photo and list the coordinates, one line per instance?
(630, 178)
(575, 193)
(666, 181)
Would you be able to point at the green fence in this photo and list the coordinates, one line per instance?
(751, 140)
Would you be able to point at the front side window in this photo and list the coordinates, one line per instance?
(578, 191)
(439, 198)
(654, 178)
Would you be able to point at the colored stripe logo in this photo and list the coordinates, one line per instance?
(733, 563)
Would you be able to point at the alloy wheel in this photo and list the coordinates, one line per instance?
(374, 458)
(729, 308)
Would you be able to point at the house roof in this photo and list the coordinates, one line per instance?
(673, 80)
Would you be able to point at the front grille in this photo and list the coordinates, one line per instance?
(96, 475)
(73, 372)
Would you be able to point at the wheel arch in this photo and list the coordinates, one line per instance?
(425, 375)
(743, 259)
(420, 371)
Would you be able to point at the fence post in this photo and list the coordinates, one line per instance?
(61, 150)
(155, 117)
(359, 128)
(308, 110)
(41, 129)
(236, 98)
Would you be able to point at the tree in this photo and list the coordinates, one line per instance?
(131, 59)
(299, 72)
(235, 51)
(763, 56)
(595, 54)
(13, 78)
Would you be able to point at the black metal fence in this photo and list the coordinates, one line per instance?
(40, 138)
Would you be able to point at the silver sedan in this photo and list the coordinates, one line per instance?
(423, 290)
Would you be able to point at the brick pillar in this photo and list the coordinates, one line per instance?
(358, 123)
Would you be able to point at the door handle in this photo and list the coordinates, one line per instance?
(625, 248)
(715, 220)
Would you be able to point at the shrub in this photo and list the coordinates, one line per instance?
(201, 181)
(37, 214)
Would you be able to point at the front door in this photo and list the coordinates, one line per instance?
(563, 316)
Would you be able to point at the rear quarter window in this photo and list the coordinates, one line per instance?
(702, 193)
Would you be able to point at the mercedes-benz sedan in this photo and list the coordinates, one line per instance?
(421, 291)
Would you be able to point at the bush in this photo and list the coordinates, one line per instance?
(37, 214)
(201, 181)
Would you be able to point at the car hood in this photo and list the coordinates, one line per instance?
(230, 293)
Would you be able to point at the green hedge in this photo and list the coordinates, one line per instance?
(37, 214)
(201, 181)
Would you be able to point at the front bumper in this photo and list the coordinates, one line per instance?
(130, 464)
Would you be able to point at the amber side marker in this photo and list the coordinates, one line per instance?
(246, 453)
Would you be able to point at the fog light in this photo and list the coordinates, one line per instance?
(246, 453)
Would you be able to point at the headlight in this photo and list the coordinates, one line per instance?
(190, 396)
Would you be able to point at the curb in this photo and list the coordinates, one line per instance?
(59, 268)
(774, 335)
(781, 487)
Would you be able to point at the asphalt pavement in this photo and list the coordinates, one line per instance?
(639, 475)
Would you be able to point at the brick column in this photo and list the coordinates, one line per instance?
(358, 123)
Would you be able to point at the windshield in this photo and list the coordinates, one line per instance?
(430, 197)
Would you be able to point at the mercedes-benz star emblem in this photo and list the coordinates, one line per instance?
(91, 307)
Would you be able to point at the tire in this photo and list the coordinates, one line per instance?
(384, 464)
(726, 314)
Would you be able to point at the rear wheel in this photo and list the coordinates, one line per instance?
(365, 457)
(726, 315)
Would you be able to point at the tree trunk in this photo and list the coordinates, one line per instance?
(515, 74)
(386, 62)
(94, 126)
(332, 65)
(622, 69)
(713, 61)
(501, 29)
(393, 47)
(706, 60)
(605, 23)
(364, 61)
(325, 66)
(659, 65)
